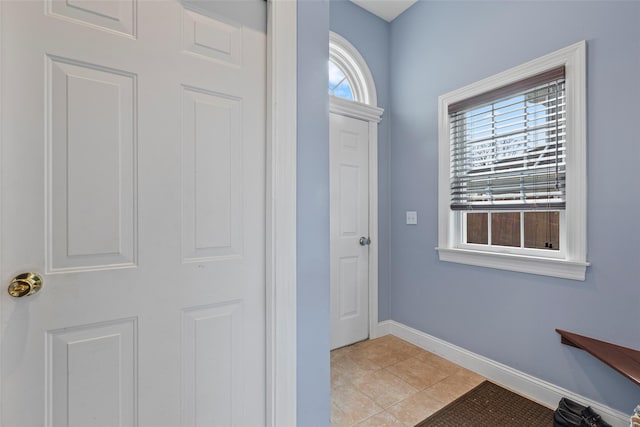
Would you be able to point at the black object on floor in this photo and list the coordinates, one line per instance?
(573, 414)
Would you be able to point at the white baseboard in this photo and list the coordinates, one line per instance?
(536, 389)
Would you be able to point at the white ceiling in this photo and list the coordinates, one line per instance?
(385, 9)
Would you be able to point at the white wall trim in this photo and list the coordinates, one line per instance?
(536, 389)
(574, 264)
(351, 62)
(281, 352)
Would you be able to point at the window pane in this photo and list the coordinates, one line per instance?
(343, 90)
(542, 230)
(505, 229)
(335, 75)
(477, 228)
(338, 83)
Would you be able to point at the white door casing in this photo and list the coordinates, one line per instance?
(119, 296)
(281, 186)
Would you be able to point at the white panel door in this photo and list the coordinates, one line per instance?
(349, 160)
(133, 170)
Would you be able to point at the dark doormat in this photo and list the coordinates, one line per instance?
(489, 405)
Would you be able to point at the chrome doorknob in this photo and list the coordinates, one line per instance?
(25, 284)
(364, 241)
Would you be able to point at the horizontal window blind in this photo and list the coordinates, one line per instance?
(508, 146)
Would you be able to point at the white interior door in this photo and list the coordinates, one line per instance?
(349, 218)
(133, 170)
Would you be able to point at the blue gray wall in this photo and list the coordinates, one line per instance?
(314, 408)
(510, 317)
(370, 35)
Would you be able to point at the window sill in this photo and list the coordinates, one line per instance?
(525, 264)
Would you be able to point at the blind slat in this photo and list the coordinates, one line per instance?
(508, 146)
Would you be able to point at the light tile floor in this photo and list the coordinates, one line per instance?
(389, 382)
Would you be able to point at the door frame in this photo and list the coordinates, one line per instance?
(372, 115)
(281, 305)
(280, 255)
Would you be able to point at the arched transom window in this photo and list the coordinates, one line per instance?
(349, 75)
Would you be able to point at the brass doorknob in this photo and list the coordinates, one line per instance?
(25, 284)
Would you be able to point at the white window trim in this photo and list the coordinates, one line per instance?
(574, 264)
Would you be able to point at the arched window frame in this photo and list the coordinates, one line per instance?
(348, 59)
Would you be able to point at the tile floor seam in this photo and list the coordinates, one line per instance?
(417, 390)
(385, 407)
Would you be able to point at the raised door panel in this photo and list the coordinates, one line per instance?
(212, 175)
(212, 365)
(349, 302)
(81, 358)
(212, 39)
(118, 16)
(349, 188)
(91, 161)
